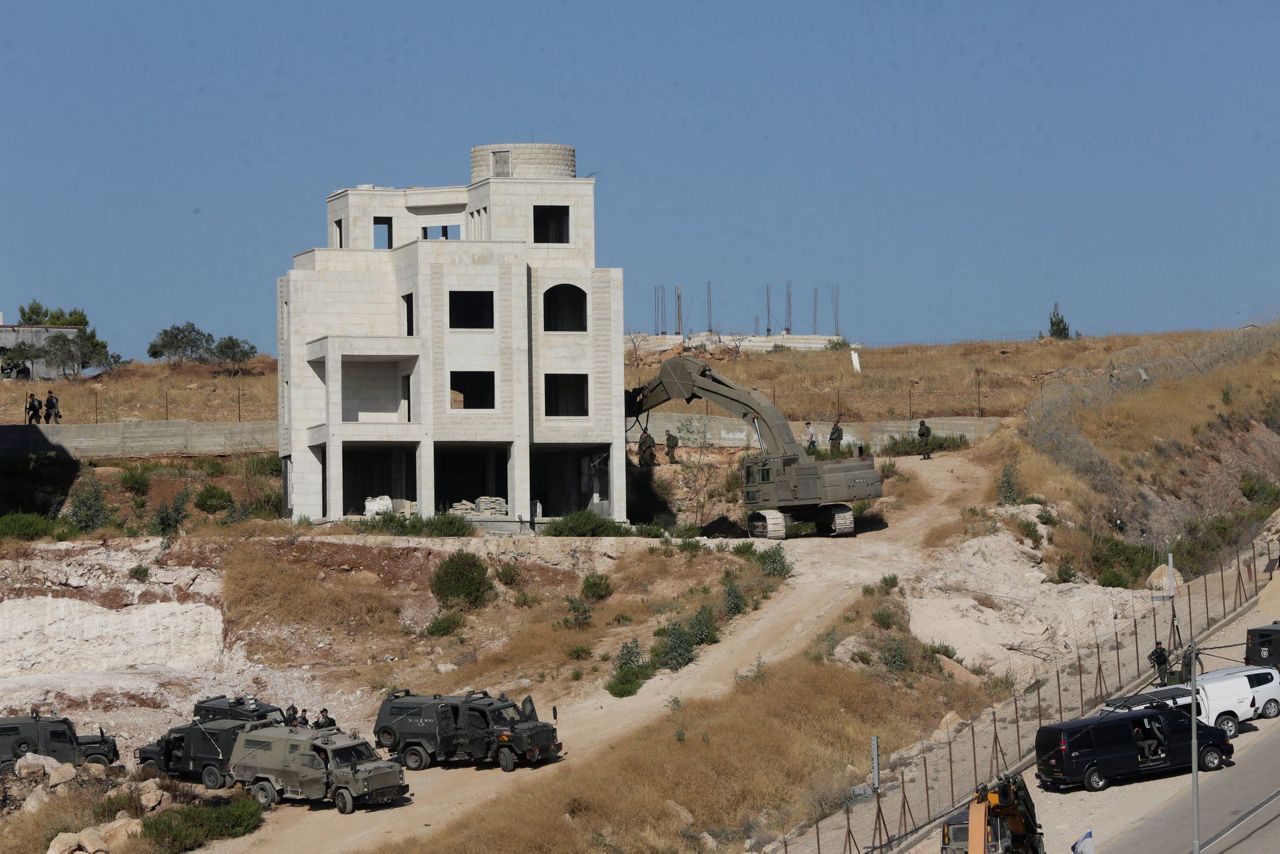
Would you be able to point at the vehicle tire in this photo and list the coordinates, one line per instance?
(415, 758)
(387, 737)
(211, 777)
(1210, 759)
(98, 759)
(1094, 781)
(265, 794)
(1228, 724)
(507, 759)
(150, 769)
(344, 802)
(1271, 709)
(6, 767)
(21, 748)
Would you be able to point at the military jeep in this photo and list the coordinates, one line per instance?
(55, 737)
(276, 762)
(471, 728)
(196, 749)
(222, 707)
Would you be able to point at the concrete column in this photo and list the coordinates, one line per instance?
(426, 477)
(333, 476)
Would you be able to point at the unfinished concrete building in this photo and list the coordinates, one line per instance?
(456, 343)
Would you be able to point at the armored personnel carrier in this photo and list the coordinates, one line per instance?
(196, 749)
(54, 737)
(222, 707)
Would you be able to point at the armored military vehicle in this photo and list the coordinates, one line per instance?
(783, 485)
(194, 750)
(223, 707)
(275, 762)
(54, 737)
(471, 728)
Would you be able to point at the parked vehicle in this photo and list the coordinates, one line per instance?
(196, 749)
(1262, 645)
(223, 707)
(1095, 751)
(1227, 699)
(1264, 683)
(54, 737)
(275, 762)
(474, 727)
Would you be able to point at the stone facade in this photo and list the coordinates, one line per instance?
(456, 342)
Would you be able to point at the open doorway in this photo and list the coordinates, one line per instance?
(472, 471)
(567, 478)
(372, 469)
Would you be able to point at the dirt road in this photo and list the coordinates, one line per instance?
(829, 574)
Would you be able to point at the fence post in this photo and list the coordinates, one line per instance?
(1223, 585)
(973, 740)
(1115, 628)
(1057, 677)
(1253, 567)
(1205, 579)
(1080, 678)
(1039, 710)
(1191, 616)
(951, 769)
(1017, 723)
(1137, 661)
(928, 804)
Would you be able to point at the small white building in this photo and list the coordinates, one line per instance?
(453, 343)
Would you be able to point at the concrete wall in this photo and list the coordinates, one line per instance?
(142, 438)
(714, 340)
(735, 433)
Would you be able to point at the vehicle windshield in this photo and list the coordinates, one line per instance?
(505, 715)
(353, 754)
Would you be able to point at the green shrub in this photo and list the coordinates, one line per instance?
(444, 624)
(773, 562)
(735, 601)
(584, 523)
(1046, 517)
(169, 517)
(942, 648)
(869, 590)
(703, 627)
(837, 344)
(906, 446)
(25, 526)
(630, 670)
(190, 827)
(1258, 490)
(1008, 491)
(579, 652)
(690, 547)
(212, 466)
(106, 809)
(894, 655)
(442, 525)
(264, 465)
(746, 548)
(651, 530)
(509, 574)
(462, 580)
(268, 504)
(213, 499)
(87, 506)
(1112, 578)
(1031, 531)
(676, 649)
(1066, 572)
(889, 469)
(596, 587)
(446, 525)
(135, 480)
(525, 599)
(140, 573)
(885, 617)
(579, 613)
(888, 582)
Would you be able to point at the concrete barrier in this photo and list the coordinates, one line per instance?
(721, 431)
(142, 438)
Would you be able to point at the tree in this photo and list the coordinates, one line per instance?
(234, 352)
(185, 343)
(23, 353)
(35, 313)
(1058, 326)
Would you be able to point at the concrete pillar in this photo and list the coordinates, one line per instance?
(426, 477)
(333, 477)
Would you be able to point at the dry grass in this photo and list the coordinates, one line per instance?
(31, 833)
(806, 384)
(773, 752)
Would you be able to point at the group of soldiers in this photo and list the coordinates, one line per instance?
(52, 411)
(648, 453)
(295, 718)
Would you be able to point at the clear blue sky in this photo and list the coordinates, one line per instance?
(955, 167)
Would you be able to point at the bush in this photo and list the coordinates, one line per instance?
(25, 526)
(735, 601)
(525, 599)
(1258, 490)
(188, 828)
(1066, 572)
(509, 574)
(87, 506)
(264, 465)
(1008, 490)
(140, 573)
(444, 624)
(689, 547)
(703, 627)
(1031, 531)
(135, 480)
(906, 446)
(942, 648)
(1112, 578)
(744, 549)
(213, 499)
(579, 652)
(596, 587)
(885, 617)
(1046, 517)
(773, 562)
(211, 466)
(169, 517)
(462, 580)
(390, 522)
(446, 525)
(889, 470)
(837, 344)
(894, 655)
(630, 670)
(579, 613)
(584, 523)
(676, 649)
(651, 530)
(888, 582)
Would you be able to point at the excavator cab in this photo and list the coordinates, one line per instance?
(1001, 819)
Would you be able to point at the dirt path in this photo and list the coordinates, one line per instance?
(828, 575)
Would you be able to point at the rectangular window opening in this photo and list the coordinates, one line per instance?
(405, 386)
(565, 395)
(382, 233)
(441, 232)
(337, 233)
(408, 314)
(550, 223)
(470, 309)
(471, 390)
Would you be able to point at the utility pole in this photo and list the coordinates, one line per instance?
(679, 315)
(768, 309)
(1195, 752)
(708, 308)
(757, 332)
(833, 291)
(787, 328)
(815, 311)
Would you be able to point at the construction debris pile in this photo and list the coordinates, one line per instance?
(485, 505)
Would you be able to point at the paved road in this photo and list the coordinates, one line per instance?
(1224, 796)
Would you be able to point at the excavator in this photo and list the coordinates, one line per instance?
(784, 484)
(1001, 819)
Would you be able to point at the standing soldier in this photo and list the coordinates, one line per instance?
(835, 438)
(810, 438)
(33, 408)
(673, 442)
(926, 435)
(647, 455)
(52, 412)
(1159, 658)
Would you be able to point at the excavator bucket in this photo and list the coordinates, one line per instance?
(978, 826)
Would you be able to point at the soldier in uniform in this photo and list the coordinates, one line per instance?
(926, 443)
(648, 457)
(835, 438)
(323, 720)
(52, 411)
(33, 409)
(291, 715)
(302, 719)
(810, 438)
(1159, 659)
(673, 442)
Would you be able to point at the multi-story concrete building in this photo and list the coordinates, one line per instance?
(456, 342)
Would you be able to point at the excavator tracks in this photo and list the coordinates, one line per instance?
(768, 524)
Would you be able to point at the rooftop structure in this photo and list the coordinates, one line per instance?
(453, 344)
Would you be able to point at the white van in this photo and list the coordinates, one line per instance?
(1263, 681)
(1225, 701)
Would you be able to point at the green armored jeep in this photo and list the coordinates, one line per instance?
(55, 737)
(474, 727)
(275, 762)
(194, 750)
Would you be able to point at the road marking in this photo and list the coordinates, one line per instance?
(1250, 813)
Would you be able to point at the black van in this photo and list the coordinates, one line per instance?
(1094, 751)
(1262, 645)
